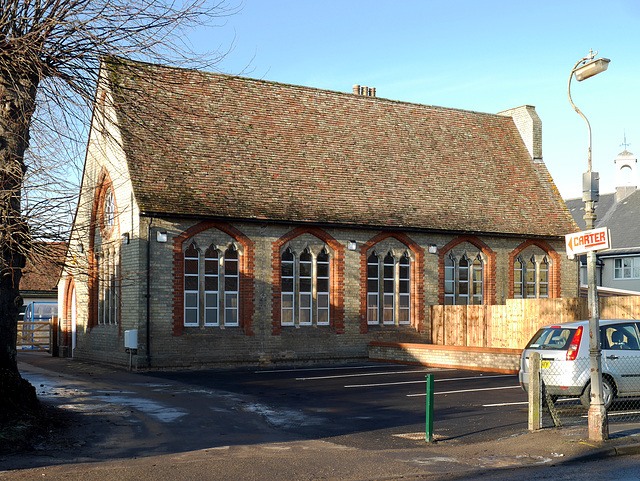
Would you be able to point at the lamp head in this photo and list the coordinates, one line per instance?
(591, 68)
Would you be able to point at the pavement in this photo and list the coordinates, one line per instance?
(133, 439)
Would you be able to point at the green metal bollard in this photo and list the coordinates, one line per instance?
(429, 417)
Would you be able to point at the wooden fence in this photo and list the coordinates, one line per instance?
(34, 335)
(512, 325)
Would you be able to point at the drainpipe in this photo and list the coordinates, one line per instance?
(149, 292)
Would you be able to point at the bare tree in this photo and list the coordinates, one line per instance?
(50, 52)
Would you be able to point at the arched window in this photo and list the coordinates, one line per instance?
(543, 278)
(322, 287)
(449, 280)
(287, 282)
(389, 280)
(404, 290)
(463, 280)
(304, 287)
(477, 277)
(191, 286)
(531, 278)
(231, 286)
(373, 288)
(518, 278)
(109, 210)
(104, 303)
(211, 288)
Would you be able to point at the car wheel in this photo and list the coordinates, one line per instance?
(608, 394)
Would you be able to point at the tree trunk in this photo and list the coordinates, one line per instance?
(17, 101)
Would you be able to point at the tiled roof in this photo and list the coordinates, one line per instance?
(43, 267)
(622, 218)
(203, 145)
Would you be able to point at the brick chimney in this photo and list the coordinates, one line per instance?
(364, 91)
(530, 127)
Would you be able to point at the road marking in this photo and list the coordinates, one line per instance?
(262, 371)
(385, 373)
(424, 381)
(467, 390)
(504, 404)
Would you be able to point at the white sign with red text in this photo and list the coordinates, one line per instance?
(588, 240)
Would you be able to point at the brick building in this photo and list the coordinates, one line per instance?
(232, 220)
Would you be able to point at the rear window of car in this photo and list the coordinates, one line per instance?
(552, 338)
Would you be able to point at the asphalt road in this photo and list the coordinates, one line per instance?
(369, 419)
(374, 405)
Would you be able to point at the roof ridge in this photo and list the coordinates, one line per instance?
(123, 60)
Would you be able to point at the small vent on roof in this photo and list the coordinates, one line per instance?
(364, 91)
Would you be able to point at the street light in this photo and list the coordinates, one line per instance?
(598, 425)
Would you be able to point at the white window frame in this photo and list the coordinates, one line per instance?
(306, 309)
(388, 295)
(464, 280)
(228, 299)
(191, 292)
(525, 271)
(449, 280)
(388, 282)
(323, 298)
(215, 306)
(404, 298)
(373, 308)
(305, 298)
(630, 264)
(288, 297)
(231, 296)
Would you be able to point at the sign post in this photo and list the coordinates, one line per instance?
(589, 242)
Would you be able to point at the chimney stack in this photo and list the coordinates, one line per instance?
(530, 128)
(364, 91)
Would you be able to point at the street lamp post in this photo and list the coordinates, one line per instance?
(598, 425)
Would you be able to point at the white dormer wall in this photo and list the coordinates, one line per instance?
(626, 177)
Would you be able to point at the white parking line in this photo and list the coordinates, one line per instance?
(424, 381)
(315, 369)
(467, 390)
(383, 373)
(504, 404)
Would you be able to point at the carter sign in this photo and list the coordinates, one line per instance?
(588, 240)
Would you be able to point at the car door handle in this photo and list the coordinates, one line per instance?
(612, 357)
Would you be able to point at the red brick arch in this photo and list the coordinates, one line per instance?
(417, 279)
(246, 281)
(336, 313)
(97, 221)
(489, 272)
(554, 268)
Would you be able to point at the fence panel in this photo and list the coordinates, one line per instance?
(512, 325)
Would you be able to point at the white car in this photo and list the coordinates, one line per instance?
(565, 366)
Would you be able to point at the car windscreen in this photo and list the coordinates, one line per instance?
(552, 338)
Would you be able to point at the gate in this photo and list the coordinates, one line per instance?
(35, 331)
(34, 335)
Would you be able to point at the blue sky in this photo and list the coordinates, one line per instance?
(485, 56)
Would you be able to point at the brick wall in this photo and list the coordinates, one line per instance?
(261, 338)
(473, 358)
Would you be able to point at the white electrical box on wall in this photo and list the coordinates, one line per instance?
(131, 339)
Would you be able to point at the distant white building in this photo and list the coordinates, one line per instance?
(619, 267)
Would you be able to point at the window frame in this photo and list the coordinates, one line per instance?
(633, 268)
(463, 282)
(227, 294)
(396, 306)
(529, 281)
(305, 305)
